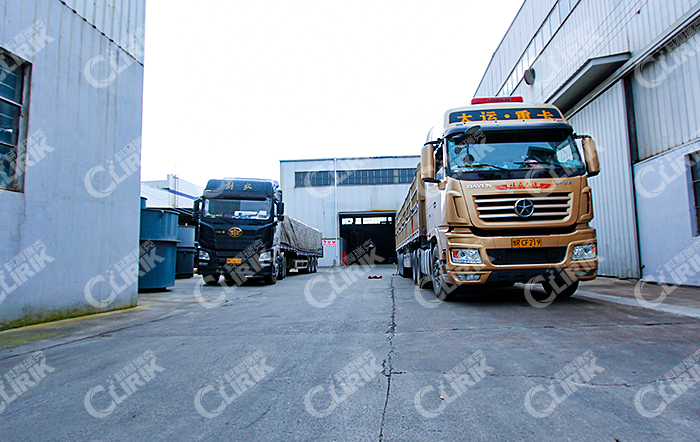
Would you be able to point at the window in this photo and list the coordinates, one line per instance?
(354, 177)
(695, 173)
(564, 9)
(13, 80)
(313, 179)
(555, 19)
(546, 31)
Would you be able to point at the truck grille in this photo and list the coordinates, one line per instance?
(501, 208)
(544, 255)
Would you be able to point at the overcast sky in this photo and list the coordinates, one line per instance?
(232, 87)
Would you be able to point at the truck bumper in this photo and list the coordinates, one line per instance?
(218, 265)
(501, 263)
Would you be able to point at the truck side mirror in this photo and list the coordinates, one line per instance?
(280, 211)
(427, 164)
(197, 206)
(591, 154)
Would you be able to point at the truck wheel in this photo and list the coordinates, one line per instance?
(211, 279)
(315, 264)
(440, 286)
(567, 292)
(282, 273)
(270, 279)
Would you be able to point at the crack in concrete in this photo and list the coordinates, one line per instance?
(387, 361)
(556, 327)
(257, 419)
(590, 384)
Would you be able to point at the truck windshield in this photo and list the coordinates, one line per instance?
(237, 209)
(514, 158)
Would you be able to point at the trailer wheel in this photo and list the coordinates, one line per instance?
(282, 273)
(314, 260)
(440, 286)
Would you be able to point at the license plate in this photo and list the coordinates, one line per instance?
(520, 243)
(233, 260)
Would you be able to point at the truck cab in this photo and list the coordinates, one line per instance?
(506, 200)
(238, 229)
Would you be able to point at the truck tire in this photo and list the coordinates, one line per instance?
(270, 279)
(440, 286)
(282, 272)
(568, 292)
(211, 279)
(315, 264)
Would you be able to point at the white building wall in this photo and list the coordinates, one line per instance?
(605, 120)
(667, 102)
(319, 207)
(87, 127)
(171, 192)
(667, 219)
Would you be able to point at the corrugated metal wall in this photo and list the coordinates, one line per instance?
(668, 112)
(595, 28)
(114, 18)
(86, 127)
(605, 120)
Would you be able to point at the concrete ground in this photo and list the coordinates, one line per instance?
(337, 356)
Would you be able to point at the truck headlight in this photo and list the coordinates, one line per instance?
(265, 257)
(584, 251)
(466, 256)
(203, 256)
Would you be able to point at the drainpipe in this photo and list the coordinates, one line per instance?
(337, 215)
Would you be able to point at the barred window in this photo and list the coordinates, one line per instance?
(313, 179)
(375, 176)
(13, 80)
(355, 177)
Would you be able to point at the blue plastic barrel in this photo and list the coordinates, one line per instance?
(158, 249)
(185, 252)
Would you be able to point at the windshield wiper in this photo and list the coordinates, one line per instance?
(490, 165)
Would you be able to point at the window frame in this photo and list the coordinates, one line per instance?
(19, 162)
(692, 161)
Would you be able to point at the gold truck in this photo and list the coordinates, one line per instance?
(501, 196)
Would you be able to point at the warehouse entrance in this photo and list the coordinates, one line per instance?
(361, 230)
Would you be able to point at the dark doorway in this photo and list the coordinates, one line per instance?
(361, 230)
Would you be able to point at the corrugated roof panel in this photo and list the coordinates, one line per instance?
(117, 19)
